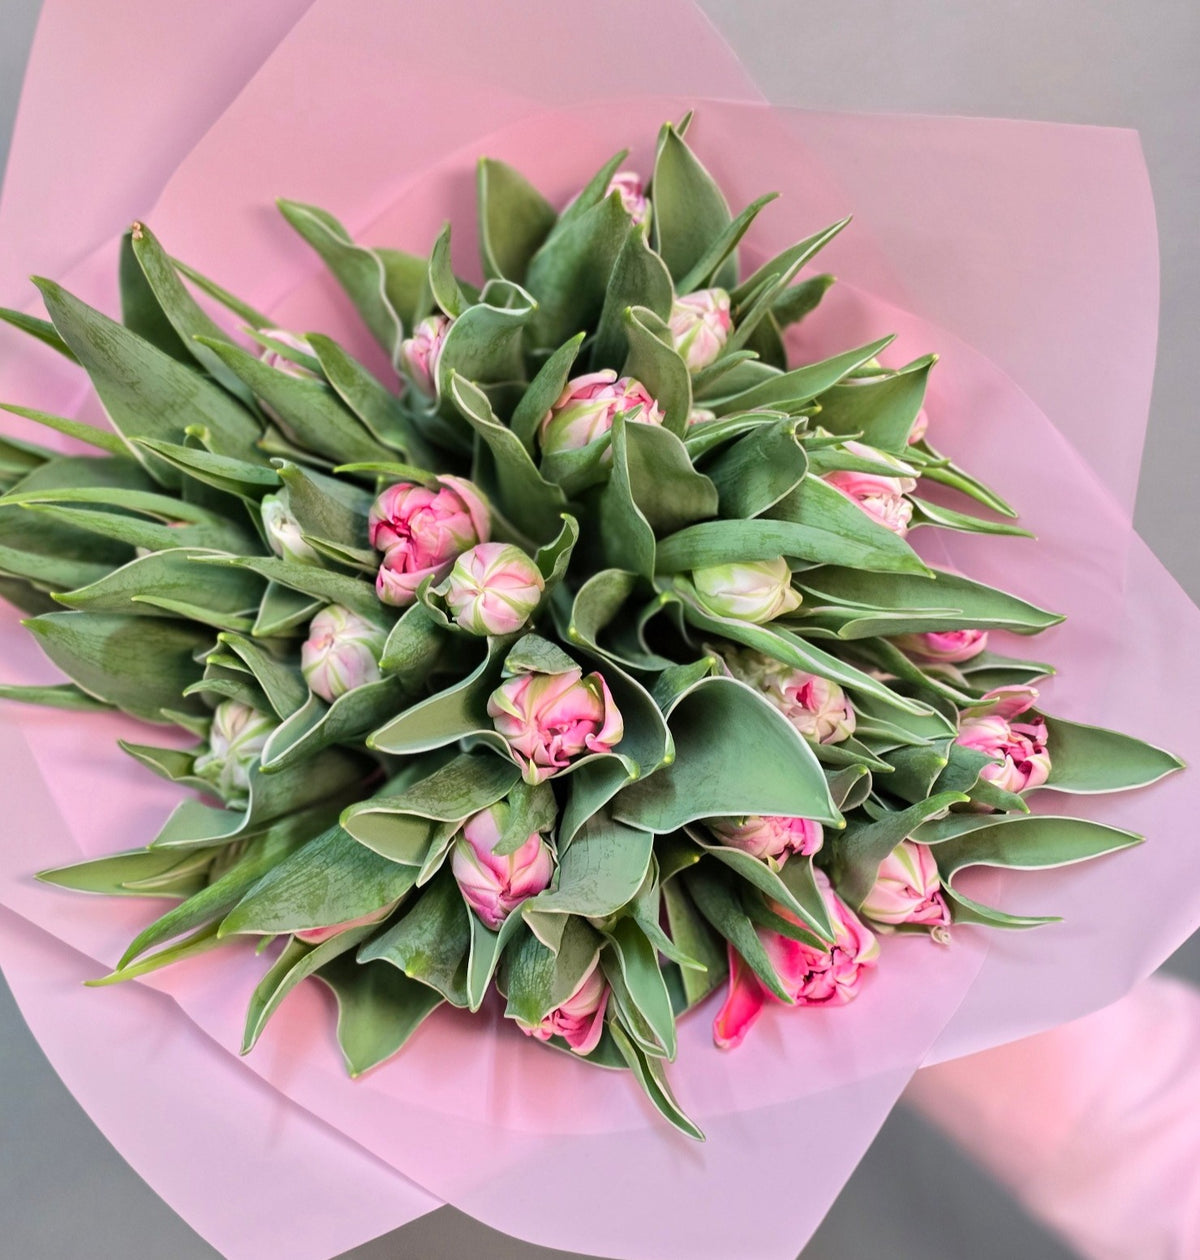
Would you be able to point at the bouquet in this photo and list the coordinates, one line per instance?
(581, 671)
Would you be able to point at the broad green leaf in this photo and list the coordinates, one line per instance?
(100, 438)
(638, 989)
(42, 329)
(54, 696)
(536, 979)
(600, 872)
(322, 584)
(544, 391)
(129, 874)
(483, 345)
(788, 261)
(1088, 759)
(653, 360)
(690, 211)
(691, 933)
(484, 955)
(713, 261)
(141, 312)
(799, 300)
(625, 536)
(756, 471)
(652, 1078)
(639, 278)
(926, 513)
(882, 408)
(369, 399)
(790, 391)
(514, 220)
(222, 472)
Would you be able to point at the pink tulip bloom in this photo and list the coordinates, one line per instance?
(628, 186)
(341, 652)
(316, 936)
(948, 646)
(769, 836)
(586, 408)
(494, 885)
(810, 976)
(881, 498)
(919, 428)
(757, 591)
(579, 1021)
(700, 323)
(421, 532)
(421, 353)
(493, 588)
(819, 709)
(907, 889)
(280, 362)
(1019, 748)
(551, 719)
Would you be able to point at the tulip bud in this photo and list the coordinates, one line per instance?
(341, 652)
(919, 427)
(1019, 748)
(280, 362)
(826, 975)
(700, 323)
(628, 186)
(700, 415)
(947, 646)
(318, 935)
(551, 719)
(579, 1021)
(880, 497)
(236, 738)
(493, 589)
(585, 410)
(757, 591)
(907, 889)
(283, 532)
(421, 532)
(769, 836)
(492, 884)
(420, 353)
(819, 709)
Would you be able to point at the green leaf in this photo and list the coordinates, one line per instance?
(147, 394)
(544, 391)
(379, 1008)
(514, 220)
(100, 438)
(322, 584)
(484, 955)
(536, 979)
(639, 990)
(55, 696)
(139, 664)
(712, 262)
(223, 472)
(790, 260)
(42, 329)
(651, 1077)
(755, 472)
(243, 310)
(385, 285)
(794, 303)
(368, 398)
(654, 361)
(881, 408)
(1089, 759)
(690, 931)
(926, 513)
(430, 942)
(783, 777)
(790, 391)
(625, 536)
(690, 211)
(132, 874)
(509, 476)
(600, 872)
(141, 312)
(329, 880)
(639, 278)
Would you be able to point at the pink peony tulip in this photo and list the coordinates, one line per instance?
(341, 652)
(236, 738)
(769, 836)
(949, 646)
(493, 589)
(280, 362)
(550, 719)
(283, 532)
(907, 889)
(494, 885)
(579, 1021)
(628, 186)
(881, 498)
(585, 410)
(810, 976)
(756, 591)
(919, 428)
(1018, 747)
(819, 709)
(421, 532)
(421, 353)
(318, 935)
(700, 324)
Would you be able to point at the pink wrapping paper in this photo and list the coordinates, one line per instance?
(993, 229)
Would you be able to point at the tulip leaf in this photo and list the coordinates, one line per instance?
(377, 408)
(536, 978)
(385, 285)
(322, 584)
(690, 211)
(639, 279)
(639, 990)
(326, 508)
(882, 408)
(148, 394)
(1088, 759)
(379, 1008)
(651, 1076)
(799, 300)
(713, 261)
(283, 611)
(41, 329)
(757, 470)
(790, 391)
(508, 474)
(139, 664)
(223, 472)
(654, 362)
(54, 696)
(787, 261)
(783, 776)
(331, 879)
(317, 725)
(600, 872)
(280, 679)
(89, 433)
(544, 391)
(626, 538)
(141, 311)
(136, 873)
(430, 942)
(484, 955)
(989, 670)
(514, 220)
(668, 491)
(483, 345)
(926, 513)
(413, 645)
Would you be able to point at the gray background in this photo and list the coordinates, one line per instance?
(64, 1193)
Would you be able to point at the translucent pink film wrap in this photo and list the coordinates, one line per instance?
(1104, 1155)
(358, 107)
